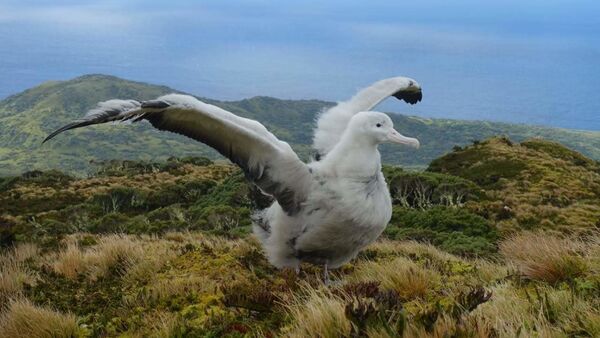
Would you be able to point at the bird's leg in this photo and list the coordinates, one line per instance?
(326, 275)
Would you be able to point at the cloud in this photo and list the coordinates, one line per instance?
(115, 17)
(65, 16)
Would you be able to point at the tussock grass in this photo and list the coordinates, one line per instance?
(545, 257)
(112, 252)
(14, 272)
(155, 254)
(544, 312)
(24, 251)
(489, 271)
(198, 284)
(593, 254)
(163, 324)
(507, 313)
(412, 248)
(446, 326)
(400, 274)
(23, 319)
(71, 262)
(318, 313)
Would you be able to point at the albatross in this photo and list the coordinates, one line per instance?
(324, 212)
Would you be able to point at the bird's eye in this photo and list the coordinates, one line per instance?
(378, 125)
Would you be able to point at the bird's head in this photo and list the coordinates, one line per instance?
(378, 128)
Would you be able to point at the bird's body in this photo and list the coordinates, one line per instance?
(343, 212)
(325, 211)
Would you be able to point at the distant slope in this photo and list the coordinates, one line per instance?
(26, 118)
(534, 184)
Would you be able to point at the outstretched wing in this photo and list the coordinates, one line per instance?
(332, 123)
(268, 162)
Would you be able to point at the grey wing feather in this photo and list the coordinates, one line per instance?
(268, 162)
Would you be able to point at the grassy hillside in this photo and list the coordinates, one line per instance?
(535, 184)
(496, 239)
(26, 118)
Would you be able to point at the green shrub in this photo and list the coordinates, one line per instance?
(233, 191)
(221, 218)
(121, 199)
(426, 189)
(189, 192)
(130, 168)
(199, 161)
(142, 225)
(6, 183)
(7, 232)
(50, 178)
(452, 229)
(124, 168)
(110, 223)
(195, 190)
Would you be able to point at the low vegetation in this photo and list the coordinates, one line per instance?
(21, 319)
(206, 285)
(533, 185)
(497, 239)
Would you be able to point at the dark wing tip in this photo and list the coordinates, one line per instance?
(409, 96)
(72, 125)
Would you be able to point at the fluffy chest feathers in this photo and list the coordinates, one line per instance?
(343, 215)
(362, 201)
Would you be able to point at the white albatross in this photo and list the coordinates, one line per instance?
(325, 211)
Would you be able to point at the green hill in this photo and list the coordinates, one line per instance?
(26, 118)
(531, 185)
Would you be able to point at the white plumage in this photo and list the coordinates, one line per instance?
(325, 211)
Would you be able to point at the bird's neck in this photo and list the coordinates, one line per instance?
(354, 157)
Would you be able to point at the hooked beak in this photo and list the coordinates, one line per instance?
(395, 137)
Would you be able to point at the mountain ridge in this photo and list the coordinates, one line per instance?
(27, 117)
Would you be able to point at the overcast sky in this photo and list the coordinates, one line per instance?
(521, 61)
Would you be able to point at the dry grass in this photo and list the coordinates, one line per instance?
(593, 254)
(162, 324)
(23, 319)
(71, 262)
(177, 283)
(25, 251)
(318, 313)
(155, 254)
(412, 248)
(506, 312)
(401, 274)
(446, 326)
(112, 252)
(545, 257)
(488, 271)
(546, 312)
(13, 271)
